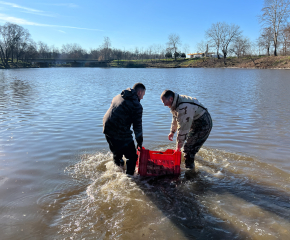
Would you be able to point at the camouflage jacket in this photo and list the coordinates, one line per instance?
(125, 110)
(184, 111)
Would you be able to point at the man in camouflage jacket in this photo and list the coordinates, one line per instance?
(192, 122)
(125, 110)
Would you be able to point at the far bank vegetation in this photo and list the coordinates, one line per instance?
(224, 45)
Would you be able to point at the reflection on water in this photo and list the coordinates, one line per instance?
(57, 180)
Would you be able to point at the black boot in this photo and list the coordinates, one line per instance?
(130, 166)
(189, 162)
(190, 165)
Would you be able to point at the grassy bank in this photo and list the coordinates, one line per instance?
(18, 64)
(259, 62)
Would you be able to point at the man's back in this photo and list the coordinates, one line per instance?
(124, 111)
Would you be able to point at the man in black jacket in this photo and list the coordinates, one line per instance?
(125, 110)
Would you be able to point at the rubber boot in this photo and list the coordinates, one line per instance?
(130, 167)
(189, 162)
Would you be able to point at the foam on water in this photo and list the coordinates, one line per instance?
(229, 196)
(112, 206)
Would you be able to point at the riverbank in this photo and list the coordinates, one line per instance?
(258, 62)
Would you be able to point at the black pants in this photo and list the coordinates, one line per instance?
(198, 134)
(126, 148)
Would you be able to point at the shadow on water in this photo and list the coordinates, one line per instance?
(179, 198)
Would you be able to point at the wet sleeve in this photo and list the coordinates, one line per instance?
(184, 119)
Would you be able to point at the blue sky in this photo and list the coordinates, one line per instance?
(128, 24)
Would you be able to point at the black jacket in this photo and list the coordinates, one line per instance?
(124, 111)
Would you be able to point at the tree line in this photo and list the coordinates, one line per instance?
(221, 38)
(16, 44)
(227, 39)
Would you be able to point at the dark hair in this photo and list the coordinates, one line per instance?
(167, 94)
(138, 87)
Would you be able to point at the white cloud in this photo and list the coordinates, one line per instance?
(71, 5)
(21, 21)
(27, 10)
(61, 31)
(18, 6)
(40, 13)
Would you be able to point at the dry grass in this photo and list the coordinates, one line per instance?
(265, 62)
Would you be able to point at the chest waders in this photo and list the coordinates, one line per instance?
(193, 144)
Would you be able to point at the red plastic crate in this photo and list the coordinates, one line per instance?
(156, 163)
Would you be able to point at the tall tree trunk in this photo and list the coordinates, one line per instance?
(3, 58)
(275, 51)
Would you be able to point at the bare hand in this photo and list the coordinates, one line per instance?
(170, 136)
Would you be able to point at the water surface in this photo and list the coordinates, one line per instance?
(57, 179)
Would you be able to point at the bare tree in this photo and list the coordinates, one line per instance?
(77, 52)
(10, 37)
(43, 50)
(94, 54)
(214, 36)
(22, 45)
(117, 54)
(31, 51)
(229, 34)
(73, 51)
(186, 49)
(253, 53)
(173, 43)
(55, 53)
(162, 52)
(221, 35)
(266, 39)
(274, 14)
(159, 50)
(106, 48)
(285, 38)
(65, 50)
(201, 46)
(149, 51)
(240, 46)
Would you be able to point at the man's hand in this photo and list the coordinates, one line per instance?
(170, 136)
(139, 141)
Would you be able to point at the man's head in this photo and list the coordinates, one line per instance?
(140, 90)
(167, 98)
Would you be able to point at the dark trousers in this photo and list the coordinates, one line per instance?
(198, 134)
(126, 148)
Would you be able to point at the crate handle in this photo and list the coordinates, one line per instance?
(158, 153)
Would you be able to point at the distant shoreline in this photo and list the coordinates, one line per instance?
(249, 62)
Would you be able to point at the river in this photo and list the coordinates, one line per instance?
(58, 181)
